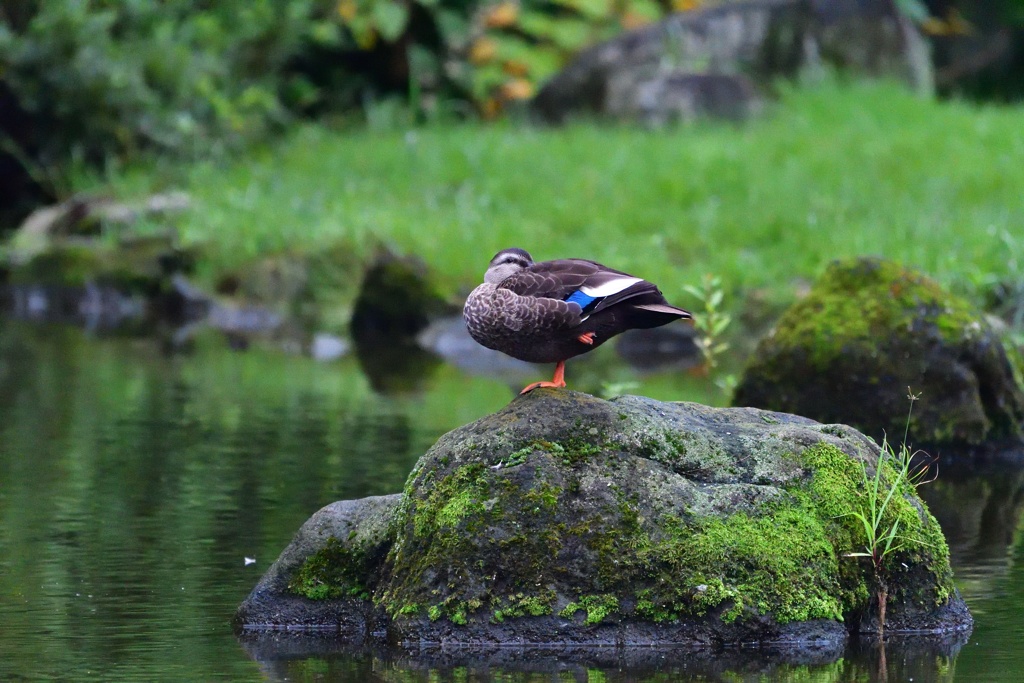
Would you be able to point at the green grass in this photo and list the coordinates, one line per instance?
(832, 171)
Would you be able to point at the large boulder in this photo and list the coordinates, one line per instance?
(564, 518)
(722, 61)
(870, 331)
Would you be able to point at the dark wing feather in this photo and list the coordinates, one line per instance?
(561, 278)
(552, 279)
(590, 274)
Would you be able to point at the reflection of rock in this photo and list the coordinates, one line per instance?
(92, 306)
(449, 339)
(979, 509)
(722, 60)
(396, 301)
(672, 346)
(281, 656)
(394, 366)
(903, 657)
(868, 330)
(327, 347)
(567, 519)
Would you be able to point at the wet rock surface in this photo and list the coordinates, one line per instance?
(566, 519)
(274, 602)
(868, 330)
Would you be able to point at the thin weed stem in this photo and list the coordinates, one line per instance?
(882, 528)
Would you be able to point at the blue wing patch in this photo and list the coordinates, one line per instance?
(584, 300)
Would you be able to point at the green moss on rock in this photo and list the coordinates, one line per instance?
(332, 572)
(596, 608)
(664, 523)
(578, 513)
(867, 331)
(521, 605)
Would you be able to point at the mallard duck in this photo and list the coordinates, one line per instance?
(552, 311)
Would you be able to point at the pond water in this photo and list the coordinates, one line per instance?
(135, 483)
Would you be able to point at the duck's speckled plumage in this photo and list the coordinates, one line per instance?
(538, 312)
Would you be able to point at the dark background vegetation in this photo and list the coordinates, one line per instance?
(95, 83)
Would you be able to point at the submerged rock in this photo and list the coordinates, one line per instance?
(564, 518)
(868, 330)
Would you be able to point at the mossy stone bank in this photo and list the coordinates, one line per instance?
(869, 330)
(564, 518)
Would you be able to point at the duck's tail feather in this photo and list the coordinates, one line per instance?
(665, 308)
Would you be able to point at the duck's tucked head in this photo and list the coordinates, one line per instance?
(505, 263)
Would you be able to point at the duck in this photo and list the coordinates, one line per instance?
(552, 311)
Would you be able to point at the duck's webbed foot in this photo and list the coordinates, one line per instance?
(535, 385)
(557, 382)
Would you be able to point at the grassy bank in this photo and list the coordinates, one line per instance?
(832, 171)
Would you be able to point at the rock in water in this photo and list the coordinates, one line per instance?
(568, 519)
(868, 330)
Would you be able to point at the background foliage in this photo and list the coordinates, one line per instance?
(86, 80)
(87, 83)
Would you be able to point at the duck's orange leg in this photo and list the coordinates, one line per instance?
(557, 382)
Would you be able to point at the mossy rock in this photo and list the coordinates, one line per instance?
(869, 330)
(564, 518)
(139, 265)
(324, 577)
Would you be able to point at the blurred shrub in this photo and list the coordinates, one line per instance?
(94, 81)
(489, 54)
(90, 79)
(977, 47)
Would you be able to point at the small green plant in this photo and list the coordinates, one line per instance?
(881, 529)
(597, 607)
(712, 323)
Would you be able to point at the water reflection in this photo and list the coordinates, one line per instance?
(979, 508)
(133, 485)
(288, 656)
